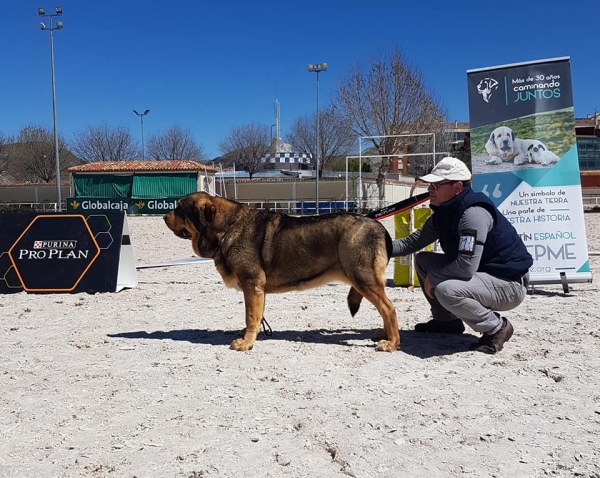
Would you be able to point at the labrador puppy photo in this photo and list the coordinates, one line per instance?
(261, 252)
(504, 146)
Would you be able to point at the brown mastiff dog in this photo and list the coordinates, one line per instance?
(262, 252)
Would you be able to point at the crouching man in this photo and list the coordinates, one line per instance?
(484, 268)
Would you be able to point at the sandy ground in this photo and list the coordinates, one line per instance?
(142, 383)
(479, 165)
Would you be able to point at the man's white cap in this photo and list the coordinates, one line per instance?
(448, 169)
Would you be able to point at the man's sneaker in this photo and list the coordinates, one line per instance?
(441, 327)
(491, 344)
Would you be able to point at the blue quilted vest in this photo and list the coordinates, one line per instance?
(504, 254)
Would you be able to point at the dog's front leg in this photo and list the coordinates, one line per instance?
(520, 159)
(254, 300)
(493, 160)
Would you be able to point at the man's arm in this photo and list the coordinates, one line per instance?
(473, 228)
(415, 241)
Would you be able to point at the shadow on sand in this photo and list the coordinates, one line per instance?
(412, 343)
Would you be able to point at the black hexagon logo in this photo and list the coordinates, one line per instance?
(54, 255)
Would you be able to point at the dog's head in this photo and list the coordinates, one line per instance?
(538, 153)
(503, 139)
(485, 87)
(534, 151)
(194, 218)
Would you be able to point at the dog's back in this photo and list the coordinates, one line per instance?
(307, 251)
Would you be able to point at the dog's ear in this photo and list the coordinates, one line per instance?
(209, 210)
(492, 137)
(512, 133)
(188, 209)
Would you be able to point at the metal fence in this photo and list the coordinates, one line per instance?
(302, 207)
(591, 202)
(28, 207)
(289, 207)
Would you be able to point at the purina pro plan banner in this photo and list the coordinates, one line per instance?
(524, 158)
(60, 253)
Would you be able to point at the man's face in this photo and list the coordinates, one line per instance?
(443, 191)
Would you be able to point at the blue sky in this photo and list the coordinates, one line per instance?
(211, 66)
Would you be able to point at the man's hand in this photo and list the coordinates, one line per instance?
(428, 289)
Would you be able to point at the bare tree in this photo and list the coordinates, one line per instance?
(463, 151)
(336, 137)
(5, 144)
(32, 155)
(105, 143)
(175, 143)
(248, 144)
(390, 97)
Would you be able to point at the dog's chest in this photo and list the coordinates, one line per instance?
(230, 278)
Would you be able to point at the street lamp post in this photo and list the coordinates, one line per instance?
(51, 28)
(141, 115)
(317, 68)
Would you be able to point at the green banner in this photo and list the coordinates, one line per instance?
(130, 205)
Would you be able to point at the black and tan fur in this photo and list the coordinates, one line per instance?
(263, 252)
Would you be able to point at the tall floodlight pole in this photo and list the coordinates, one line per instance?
(317, 68)
(51, 28)
(141, 115)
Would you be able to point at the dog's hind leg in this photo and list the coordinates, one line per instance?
(354, 300)
(389, 337)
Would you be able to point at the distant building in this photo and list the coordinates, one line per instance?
(281, 153)
(141, 179)
(457, 131)
(587, 131)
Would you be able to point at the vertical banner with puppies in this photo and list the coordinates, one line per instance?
(524, 158)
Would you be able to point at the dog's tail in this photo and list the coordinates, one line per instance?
(354, 299)
(388, 244)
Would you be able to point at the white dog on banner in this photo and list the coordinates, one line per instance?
(538, 153)
(504, 146)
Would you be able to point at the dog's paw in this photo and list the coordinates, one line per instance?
(386, 346)
(241, 345)
(493, 160)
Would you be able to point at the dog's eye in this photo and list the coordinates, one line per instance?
(184, 233)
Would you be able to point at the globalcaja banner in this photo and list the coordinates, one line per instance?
(129, 205)
(57, 252)
(524, 158)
